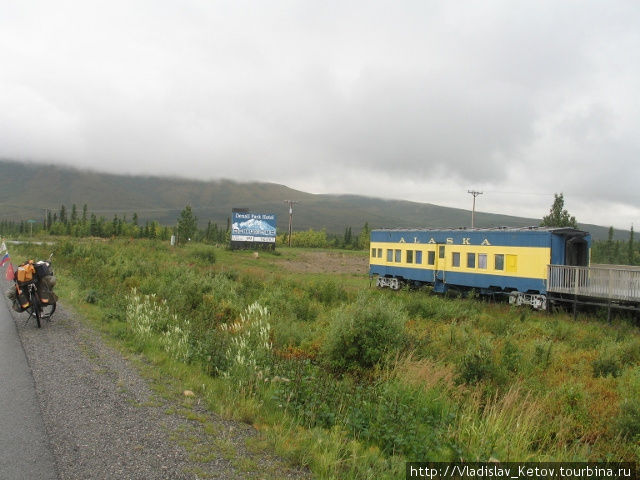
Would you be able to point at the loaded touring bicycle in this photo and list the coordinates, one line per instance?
(32, 290)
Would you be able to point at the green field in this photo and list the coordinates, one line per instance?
(351, 381)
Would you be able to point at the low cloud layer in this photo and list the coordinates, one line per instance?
(414, 100)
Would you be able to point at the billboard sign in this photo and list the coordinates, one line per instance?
(253, 227)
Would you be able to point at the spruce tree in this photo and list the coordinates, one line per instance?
(187, 225)
(558, 215)
(609, 247)
(74, 214)
(63, 214)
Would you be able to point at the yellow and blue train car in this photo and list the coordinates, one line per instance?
(495, 260)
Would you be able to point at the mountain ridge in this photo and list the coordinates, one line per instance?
(162, 198)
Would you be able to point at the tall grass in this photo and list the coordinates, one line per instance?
(352, 382)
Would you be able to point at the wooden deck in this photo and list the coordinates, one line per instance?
(605, 282)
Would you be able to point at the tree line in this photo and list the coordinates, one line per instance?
(83, 223)
(616, 252)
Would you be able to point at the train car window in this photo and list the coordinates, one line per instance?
(379, 253)
(409, 256)
(398, 256)
(419, 257)
(441, 251)
(482, 261)
(455, 259)
(471, 260)
(431, 257)
(389, 255)
(512, 263)
(373, 252)
(498, 261)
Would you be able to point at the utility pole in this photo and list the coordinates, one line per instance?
(473, 211)
(290, 203)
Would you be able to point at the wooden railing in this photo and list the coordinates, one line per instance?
(603, 281)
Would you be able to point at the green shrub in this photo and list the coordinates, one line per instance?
(311, 394)
(327, 292)
(542, 354)
(303, 308)
(420, 306)
(511, 357)
(211, 351)
(375, 414)
(572, 398)
(113, 314)
(477, 364)
(498, 325)
(630, 351)
(204, 254)
(250, 288)
(92, 296)
(364, 333)
(291, 334)
(230, 274)
(380, 417)
(608, 362)
(606, 365)
(562, 330)
(628, 420)
(65, 248)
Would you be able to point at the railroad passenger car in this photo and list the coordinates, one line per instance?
(512, 261)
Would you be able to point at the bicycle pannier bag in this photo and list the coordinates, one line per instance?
(23, 299)
(43, 269)
(25, 273)
(44, 292)
(12, 295)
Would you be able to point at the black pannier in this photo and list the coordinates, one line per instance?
(43, 269)
(45, 291)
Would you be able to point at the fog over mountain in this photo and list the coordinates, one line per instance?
(415, 100)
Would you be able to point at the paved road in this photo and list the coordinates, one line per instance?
(25, 452)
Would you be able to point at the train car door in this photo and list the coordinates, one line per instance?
(576, 252)
(439, 270)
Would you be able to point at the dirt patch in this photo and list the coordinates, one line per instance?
(327, 262)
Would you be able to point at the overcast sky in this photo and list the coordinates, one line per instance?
(419, 100)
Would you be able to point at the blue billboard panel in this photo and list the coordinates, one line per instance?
(253, 227)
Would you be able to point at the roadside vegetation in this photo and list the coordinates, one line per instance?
(82, 223)
(351, 381)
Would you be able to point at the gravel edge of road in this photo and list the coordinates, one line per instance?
(104, 420)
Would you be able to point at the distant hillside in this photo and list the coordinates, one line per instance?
(27, 190)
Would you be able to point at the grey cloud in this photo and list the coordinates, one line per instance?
(512, 95)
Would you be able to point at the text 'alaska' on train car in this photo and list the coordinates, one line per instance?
(511, 261)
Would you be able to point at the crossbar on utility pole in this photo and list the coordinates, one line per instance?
(473, 211)
(290, 203)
